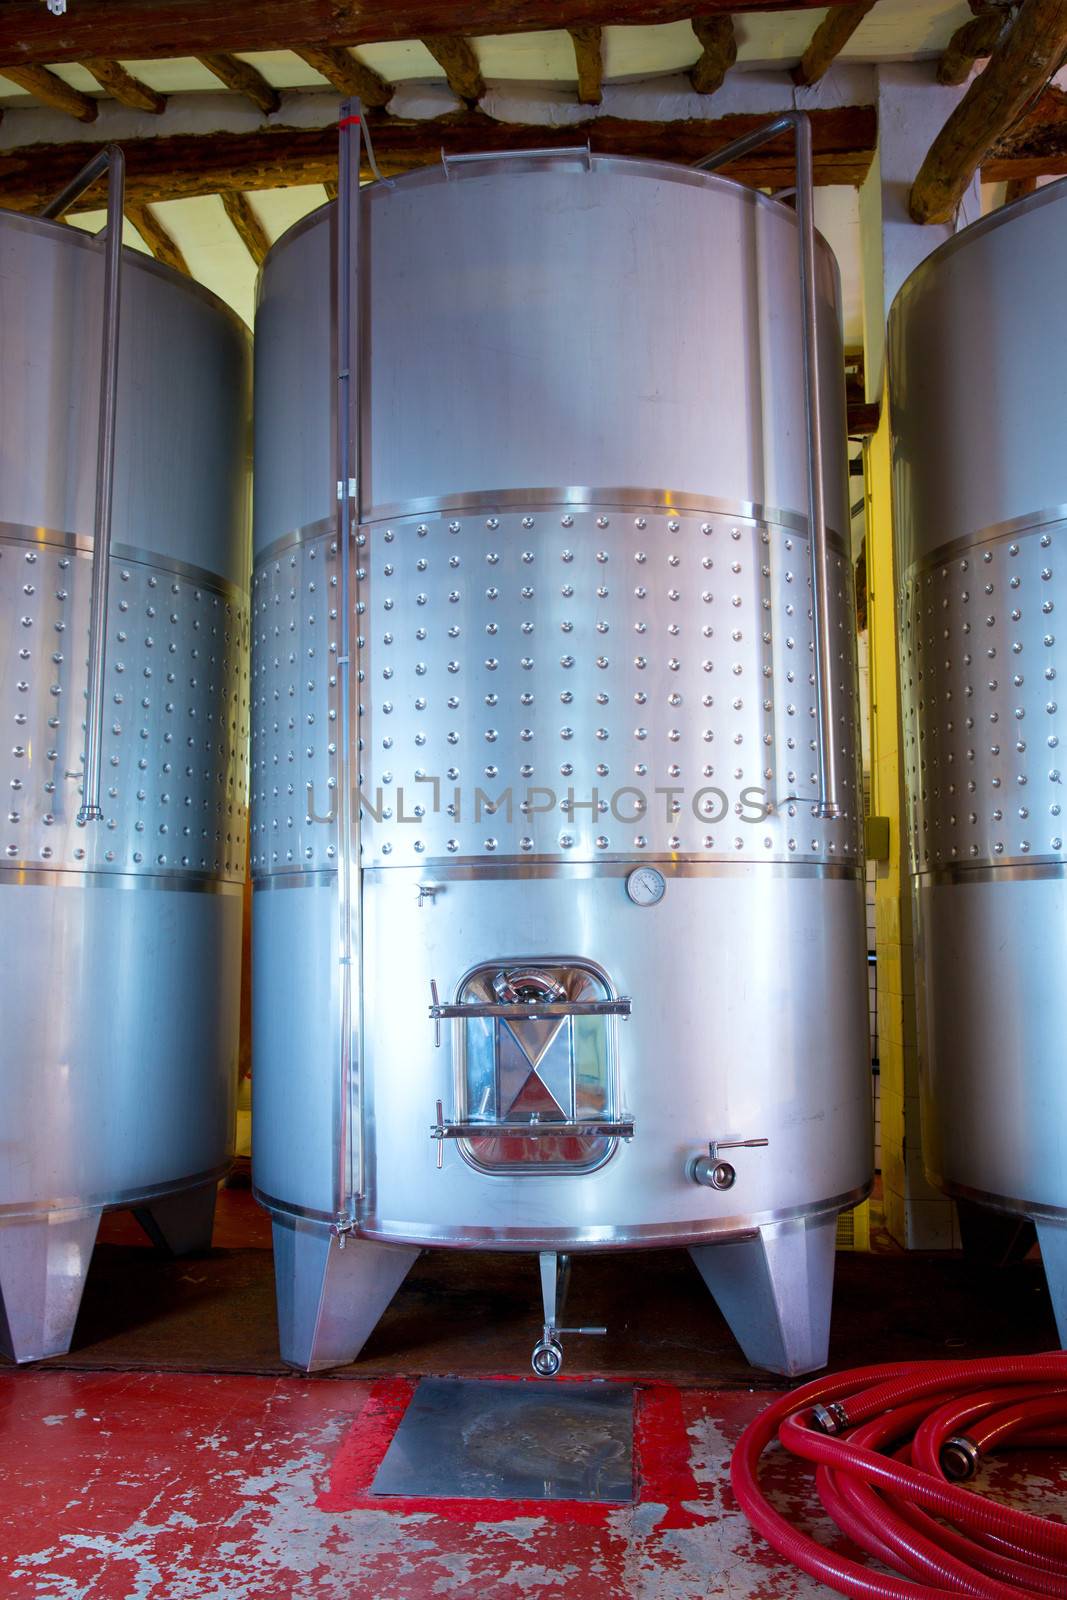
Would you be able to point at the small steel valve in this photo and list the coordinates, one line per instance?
(715, 1173)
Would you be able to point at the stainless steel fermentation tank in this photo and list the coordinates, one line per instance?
(978, 349)
(556, 1007)
(120, 934)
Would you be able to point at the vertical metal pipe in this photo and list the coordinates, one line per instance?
(105, 481)
(825, 706)
(349, 1183)
(828, 804)
(114, 161)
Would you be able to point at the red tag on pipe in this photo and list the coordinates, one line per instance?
(344, 121)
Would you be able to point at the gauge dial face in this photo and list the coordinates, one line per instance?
(646, 886)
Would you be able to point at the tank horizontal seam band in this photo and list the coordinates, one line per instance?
(553, 867)
(1015, 527)
(25, 533)
(656, 500)
(116, 1199)
(288, 879)
(998, 1202)
(991, 871)
(15, 877)
(599, 1238)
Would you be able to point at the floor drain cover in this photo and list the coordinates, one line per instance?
(464, 1439)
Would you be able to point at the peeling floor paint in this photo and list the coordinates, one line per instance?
(121, 1486)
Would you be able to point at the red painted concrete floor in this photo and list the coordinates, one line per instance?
(170, 1487)
(195, 1487)
(210, 1485)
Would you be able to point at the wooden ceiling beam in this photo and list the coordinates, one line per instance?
(718, 53)
(243, 79)
(132, 30)
(457, 57)
(241, 214)
(975, 39)
(52, 90)
(1018, 69)
(172, 166)
(347, 75)
(829, 39)
(124, 87)
(156, 237)
(1036, 147)
(589, 60)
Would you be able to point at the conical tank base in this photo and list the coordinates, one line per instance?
(775, 1290)
(1052, 1237)
(43, 1263)
(331, 1298)
(182, 1223)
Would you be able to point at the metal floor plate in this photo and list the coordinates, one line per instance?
(467, 1439)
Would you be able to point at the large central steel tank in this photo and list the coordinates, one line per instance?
(120, 937)
(598, 925)
(978, 350)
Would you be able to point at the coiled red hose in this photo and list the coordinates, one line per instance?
(887, 1444)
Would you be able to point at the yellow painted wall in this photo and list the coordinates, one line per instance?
(916, 1214)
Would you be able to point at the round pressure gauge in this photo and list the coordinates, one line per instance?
(645, 886)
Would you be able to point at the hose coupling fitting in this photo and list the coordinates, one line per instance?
(830, 1419)
(960, 1458)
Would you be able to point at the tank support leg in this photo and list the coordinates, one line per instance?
(993, 1238)
(1052, 1237)
(181, 1224)
(330, 1297)
(774, 1290)
(43, 1263)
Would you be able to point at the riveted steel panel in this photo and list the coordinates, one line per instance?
(592, 680)
(174, 792)
(294, 701)
(981, 674)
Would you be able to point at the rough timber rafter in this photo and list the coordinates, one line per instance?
(134, 30)
(589, 60)
(170, 167)
(718, 53)
(975, 38)
(457, 57)
(156, 237)
(1018, 70)
(125, 88)
(243, 79)
(52, 90)
(240, 211)
(347, 75)
(829, 39)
